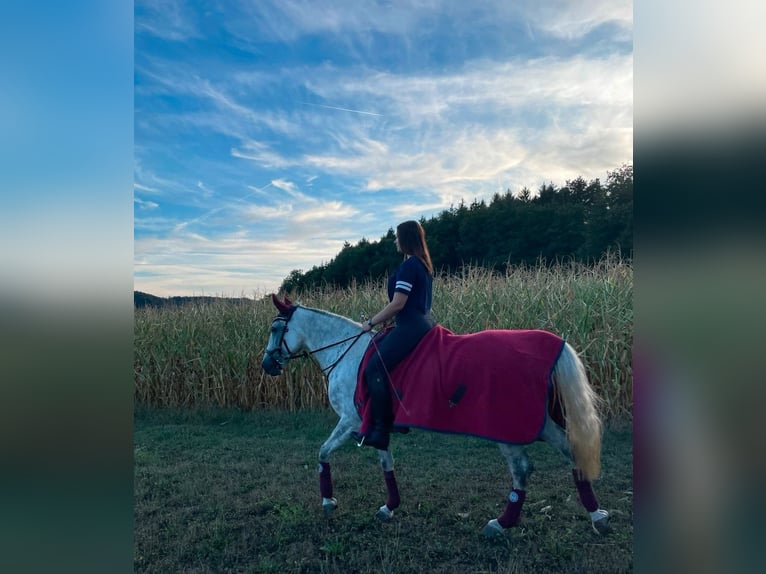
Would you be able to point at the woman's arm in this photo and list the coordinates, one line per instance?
(388, 312)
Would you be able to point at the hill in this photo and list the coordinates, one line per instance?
(141, 299)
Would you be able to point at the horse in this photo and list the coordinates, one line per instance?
(338, 345)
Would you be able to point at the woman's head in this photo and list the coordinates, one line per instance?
(411, 239)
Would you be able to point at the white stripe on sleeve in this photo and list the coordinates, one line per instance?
(404, 286)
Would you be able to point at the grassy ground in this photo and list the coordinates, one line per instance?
(233, 491)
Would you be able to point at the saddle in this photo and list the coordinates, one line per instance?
(493, 384)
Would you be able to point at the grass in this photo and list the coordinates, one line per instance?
(224, 490)
(205, 355)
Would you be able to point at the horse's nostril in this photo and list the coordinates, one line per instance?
(270, 366)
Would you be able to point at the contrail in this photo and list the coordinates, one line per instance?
(342, 109)
(256, 190)
(197, 219)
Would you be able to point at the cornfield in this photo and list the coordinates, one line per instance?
(209, 354)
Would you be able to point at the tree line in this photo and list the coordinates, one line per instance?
(141, 299)
(581, 220)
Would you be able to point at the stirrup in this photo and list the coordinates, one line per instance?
(358, 438)
(380, 442)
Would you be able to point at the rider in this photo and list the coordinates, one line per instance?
(409, 295)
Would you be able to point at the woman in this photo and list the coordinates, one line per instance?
(409, 295)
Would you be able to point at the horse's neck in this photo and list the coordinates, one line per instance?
(321, 328)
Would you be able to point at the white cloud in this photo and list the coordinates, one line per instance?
(145, 179)
(142, 204)
(292, 190)
(544, 82)
(257, 212)
(416, 210)
(325, 211)
(141, 187)
(569, 19)
(262, 155)
(230, 265)
(207, 192)
(287, 20)
(438, 129)
(166, 19)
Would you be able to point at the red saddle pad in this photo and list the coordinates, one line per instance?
(493, 384)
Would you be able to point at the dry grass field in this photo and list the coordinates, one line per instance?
(210, 354)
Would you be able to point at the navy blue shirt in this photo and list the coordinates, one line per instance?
(413, 279)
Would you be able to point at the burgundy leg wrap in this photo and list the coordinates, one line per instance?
(585, 490)
(393, 490)
(513, 509)
(325, 480)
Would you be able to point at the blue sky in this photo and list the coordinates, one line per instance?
(268, 133)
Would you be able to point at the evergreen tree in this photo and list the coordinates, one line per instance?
(581, 220)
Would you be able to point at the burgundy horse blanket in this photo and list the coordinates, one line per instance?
(494, 384)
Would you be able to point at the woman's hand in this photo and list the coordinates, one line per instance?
(389, 311)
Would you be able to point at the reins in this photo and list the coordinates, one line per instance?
(326, 370)
(343, 354)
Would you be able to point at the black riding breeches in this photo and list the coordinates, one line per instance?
(395, 347)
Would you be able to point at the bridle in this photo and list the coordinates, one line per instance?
(282, 344)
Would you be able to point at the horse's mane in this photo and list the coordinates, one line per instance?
(328, 314)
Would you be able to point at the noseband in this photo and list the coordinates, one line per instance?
(290, 355)
(282, 343)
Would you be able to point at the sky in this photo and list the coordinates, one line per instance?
(268, 133)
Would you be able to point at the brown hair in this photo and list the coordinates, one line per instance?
(412, 241)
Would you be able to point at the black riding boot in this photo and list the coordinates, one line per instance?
(377, 435)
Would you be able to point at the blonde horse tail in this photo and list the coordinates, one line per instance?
(582, 421)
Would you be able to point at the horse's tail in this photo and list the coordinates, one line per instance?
(582, 421)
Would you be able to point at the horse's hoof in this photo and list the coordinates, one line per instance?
(329, 505)
(492, 529)
(601, 525)
(384, 514)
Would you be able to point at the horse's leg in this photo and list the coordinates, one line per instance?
(554, 435)
(339, 434)
(521, 468)
(386, 512)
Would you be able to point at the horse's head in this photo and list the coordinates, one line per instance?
(282, 340)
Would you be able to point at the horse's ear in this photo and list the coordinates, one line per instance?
(287, 300)
(283, 308)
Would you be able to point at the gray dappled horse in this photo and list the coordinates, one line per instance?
(338, 344)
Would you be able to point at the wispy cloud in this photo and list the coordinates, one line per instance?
(325, 211)
(573, 19)
(258, 212)
(261, 154)
(289, 20)
(145, 204)
(142, 187)
(166, 19)
(234, 260)
(290, 189)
